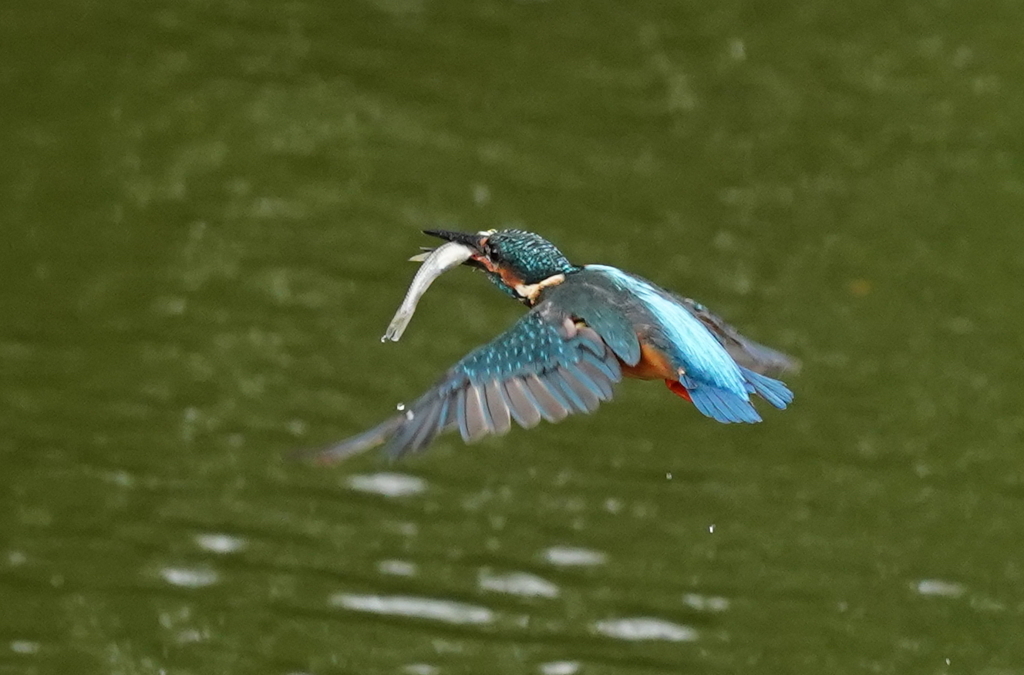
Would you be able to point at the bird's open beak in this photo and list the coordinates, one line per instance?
(471, 240)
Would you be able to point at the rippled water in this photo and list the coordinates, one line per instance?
(206, 211)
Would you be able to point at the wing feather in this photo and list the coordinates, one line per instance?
(609, 369)
(460, 414)
(478, 419)
(426, 427)
(448, 417)
(598, 376)
(746, 352)
(556, 380)
(582, 386)
(501, 420)
(522, 404)
(548, 365)
(552, 405)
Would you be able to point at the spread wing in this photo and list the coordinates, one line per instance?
(545, 366)
(744, 351)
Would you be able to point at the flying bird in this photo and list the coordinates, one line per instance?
(588, 327)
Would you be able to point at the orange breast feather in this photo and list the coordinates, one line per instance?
(653, 365)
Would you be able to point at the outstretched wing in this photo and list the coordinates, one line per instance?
(744, 351)
(546, 366)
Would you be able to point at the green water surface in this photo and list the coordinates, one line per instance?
(205, 209)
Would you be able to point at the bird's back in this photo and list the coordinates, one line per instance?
(658, 318)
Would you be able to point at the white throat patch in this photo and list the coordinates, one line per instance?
(531, 291)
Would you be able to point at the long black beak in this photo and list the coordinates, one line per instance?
(470, 240)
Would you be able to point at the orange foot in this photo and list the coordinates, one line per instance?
(679, 390)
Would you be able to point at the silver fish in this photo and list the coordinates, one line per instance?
(435, 263)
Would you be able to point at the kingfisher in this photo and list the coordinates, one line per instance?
(587, 327)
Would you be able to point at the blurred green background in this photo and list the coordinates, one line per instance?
(206, 208)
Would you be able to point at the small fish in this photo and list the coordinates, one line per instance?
(435, 263)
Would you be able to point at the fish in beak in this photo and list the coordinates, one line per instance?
(435, 263)
(472, 241)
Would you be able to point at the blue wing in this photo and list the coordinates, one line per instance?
(747, 353)
(753, 359)
(545, 366)
(720, 368)
(601, 309)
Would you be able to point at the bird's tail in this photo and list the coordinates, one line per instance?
(773, 391)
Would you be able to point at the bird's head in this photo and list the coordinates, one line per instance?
(520, 263)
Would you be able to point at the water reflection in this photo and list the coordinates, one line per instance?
(219, 543)
(560, 668)
(705, 603)
(189, 577)
(447, 611)
(420, 669)
(938, 587)
(570, 556)
(645, 628)
(387, 484)
(398, 568)
(24, 647)
(517, 583)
